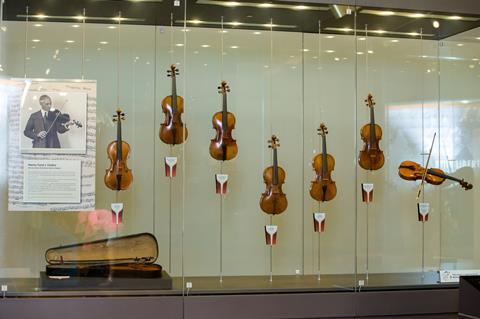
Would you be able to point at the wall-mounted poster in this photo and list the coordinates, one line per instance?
(51, 158)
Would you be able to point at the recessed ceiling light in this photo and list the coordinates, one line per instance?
(414, 34)
(359, 52)
(179, 44)
(337, 59)
(329, 51)
(300, 7)
(112, 27)
(436, 24)
(235, 23)
(265, 5)
(455, 18)
(370, 51)
(70, 41)
(223, 31)
(35, 40)
(231, 4)
(387, 13)
(394, 41)
(40, 16)
(306, 50)
(330, 36)
(205, 45)
(75, 26)
(361, 39)
(38, 25)
(196, 21)
(460, 44)
(474, 59)
(103, 42)
(234, 47)
(80, 17)
(379, 31)
(257, 33)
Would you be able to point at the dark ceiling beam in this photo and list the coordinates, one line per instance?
(448, 6)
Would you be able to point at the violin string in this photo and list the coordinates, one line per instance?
(171, 38)
(222, 31)
(83, 44)
(25, 52)
(366, 57)
(270, 105)
(118, 58)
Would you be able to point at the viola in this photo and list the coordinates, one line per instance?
(173, 131)
(323, 188)
(223, 147)
(412, 171)
(273, 201)
(371, 157)
(118, 176)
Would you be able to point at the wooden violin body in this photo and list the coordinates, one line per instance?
(371, 157)
(118, 176)
(118, 167)
(273, 201)
(223, 147)
(412, 171)
(323, 188)
(173, 131)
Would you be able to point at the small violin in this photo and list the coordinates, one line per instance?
(323, 188)
(273, 201)
(223, 147)
(412, 171)
(371, 157)
(118, 176)
(173, 129)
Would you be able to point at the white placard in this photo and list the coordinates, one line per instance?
(451, 276)
(52, 181)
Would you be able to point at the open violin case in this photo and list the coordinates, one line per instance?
(126, 262)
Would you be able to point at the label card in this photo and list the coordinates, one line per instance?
(367, 192)
(423, 210)
(170, 166)
(221, 183)
(319, 222)
(117, 213)
(271, 234)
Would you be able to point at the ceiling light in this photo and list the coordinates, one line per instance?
(465, 101)
(417, 15)
(300, 7)
(337, 59)
(205, 45)
(257, 33)
(35, 40)
(474, 59)
(223, 31)
(346, 29)
(379, 31)
(47, 71)
(179, 44)
(359, 52)
(265, 5)
(79, 17)
(455, 18)
(75, 26)
(231, 4)
(329, 51)
(234, 47)
(40, 16)
(361, 39)
(103, 42)
(460, 44)
(196, 21)
(38, 25)
(387, 13)
(235, 23)
(185, 30)
(112, 27)
(414, 34)
(370, 51)
(330, 36)
(394, 41)
(436, 24)
(306, 50)
(70, 41)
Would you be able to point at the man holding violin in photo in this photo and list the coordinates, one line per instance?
(44, 125)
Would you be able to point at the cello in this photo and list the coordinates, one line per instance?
(173, 131)
(273, 201)
(118, 176)
(371, 157)
(223, 147)
(323, 188)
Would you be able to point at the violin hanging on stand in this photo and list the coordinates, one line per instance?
(412, 171)
(223, 147)
(173, 131)
(371, 157)
(323, 188)
(118, 176)
(273, 201)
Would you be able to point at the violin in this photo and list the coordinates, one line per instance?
(273, 201)
(173, 131)
(118, 176)
(223, 147)
(412, 171)
(371, 157)
(323, 188)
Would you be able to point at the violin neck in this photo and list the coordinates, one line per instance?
(324, 157)
(275, 167)
(174, 94)
(430, 171)
(119, 139)
(224, 110)
(373, 138)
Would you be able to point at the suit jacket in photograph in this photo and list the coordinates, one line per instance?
(36, 123)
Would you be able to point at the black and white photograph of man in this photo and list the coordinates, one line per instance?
(53, 122)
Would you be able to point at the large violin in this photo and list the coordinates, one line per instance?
(323, 188)
(118, 176)
(173, 131)
(371, 157)
(273, 200)
(223, 147)
(412, 171)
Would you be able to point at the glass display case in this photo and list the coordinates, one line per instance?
(388, 85)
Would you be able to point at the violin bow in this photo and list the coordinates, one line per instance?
(56, 117)
(426, 168)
